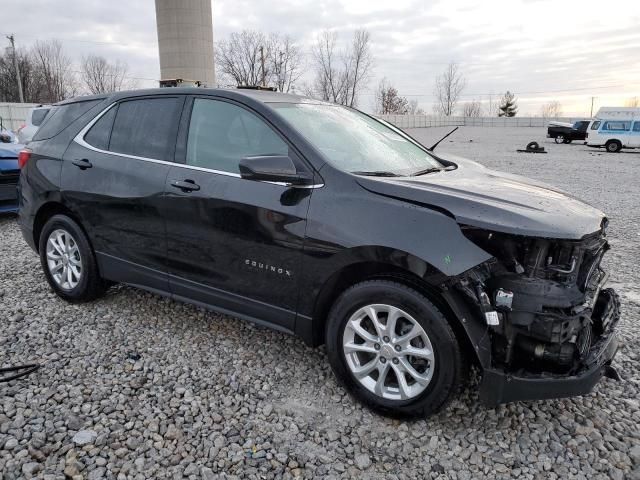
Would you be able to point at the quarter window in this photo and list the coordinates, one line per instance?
(146, 127)
(98, 135)
(221, 134)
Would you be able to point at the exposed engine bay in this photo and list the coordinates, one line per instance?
(542, 300)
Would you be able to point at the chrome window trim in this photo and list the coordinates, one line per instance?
(79, 139)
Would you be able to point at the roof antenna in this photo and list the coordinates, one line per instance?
(433, 147)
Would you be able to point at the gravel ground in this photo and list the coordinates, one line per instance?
(137, 386)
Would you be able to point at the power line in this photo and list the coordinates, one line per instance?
(123, 76)
(514, 92)
(94, 42)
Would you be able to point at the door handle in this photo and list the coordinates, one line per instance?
(82, 164)
(186, 185)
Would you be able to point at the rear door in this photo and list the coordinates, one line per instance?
(234, 243)
(113, 177)
(634, 139)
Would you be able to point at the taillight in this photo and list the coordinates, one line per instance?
(23, 157)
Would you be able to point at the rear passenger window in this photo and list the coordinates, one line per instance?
(616, 126)
(221, 134)
(61, 117)
(98, 135)
(146, 127)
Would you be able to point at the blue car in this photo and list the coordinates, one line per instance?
(9, 175)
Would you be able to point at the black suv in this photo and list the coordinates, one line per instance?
(319, 220)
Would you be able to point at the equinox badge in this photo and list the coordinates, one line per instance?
(268, 268)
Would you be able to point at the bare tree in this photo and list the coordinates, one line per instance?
(388, 101)
(633, 102)
(552, 109)
(358, 65)
(287, 62)
(54, 68)
(100, 76)
(239, 57)
(493, 106)
(414, 108)
(247, 57)
(341, 76)
(449, 87)
(472, 109)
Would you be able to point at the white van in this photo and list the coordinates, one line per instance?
(615, 129)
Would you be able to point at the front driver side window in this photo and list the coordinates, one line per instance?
(221, 134)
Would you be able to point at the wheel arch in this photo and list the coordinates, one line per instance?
(45, 212)
(406, 270)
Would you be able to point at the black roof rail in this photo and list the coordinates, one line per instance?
(257, 87)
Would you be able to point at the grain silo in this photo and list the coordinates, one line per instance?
(185, 40)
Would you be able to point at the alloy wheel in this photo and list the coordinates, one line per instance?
(388, 352)
(63, 259)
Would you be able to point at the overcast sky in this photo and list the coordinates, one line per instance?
(542, 50)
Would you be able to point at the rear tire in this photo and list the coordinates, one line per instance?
(613, 146)
(371, 362)
(68, 261)
(567, 141)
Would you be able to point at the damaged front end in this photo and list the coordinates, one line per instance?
(548, 323)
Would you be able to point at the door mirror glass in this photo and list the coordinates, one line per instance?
(272, 168)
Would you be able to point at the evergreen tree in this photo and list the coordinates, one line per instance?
(508, 106)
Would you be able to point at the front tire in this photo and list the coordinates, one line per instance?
(393, 349)
(68, 261)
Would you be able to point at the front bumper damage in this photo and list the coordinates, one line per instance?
(539, 318)
(498, 386)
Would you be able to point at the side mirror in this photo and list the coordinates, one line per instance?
(273, 168)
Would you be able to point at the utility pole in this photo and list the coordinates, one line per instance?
(592, 99)
(262, 63)
(281, 78)
(17, 68)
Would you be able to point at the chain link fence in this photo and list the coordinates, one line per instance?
(423, 121)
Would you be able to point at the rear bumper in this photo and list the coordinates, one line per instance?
(500, 387)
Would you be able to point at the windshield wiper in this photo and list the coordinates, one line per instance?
(427, 170)
(380, 173)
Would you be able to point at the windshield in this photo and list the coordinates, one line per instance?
(354, 142)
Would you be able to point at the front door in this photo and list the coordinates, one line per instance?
(113, 178)
(233, 243)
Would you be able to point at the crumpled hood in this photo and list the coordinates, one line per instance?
(493, 200)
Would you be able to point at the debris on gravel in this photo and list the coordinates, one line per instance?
(137, 386)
